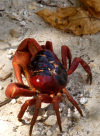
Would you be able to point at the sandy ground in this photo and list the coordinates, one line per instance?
(22, 22)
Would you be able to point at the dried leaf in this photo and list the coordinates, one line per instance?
(57, 18)
(93, 7)
(70, 19)
(82, 23)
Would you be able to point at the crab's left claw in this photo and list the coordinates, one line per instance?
(15, 90)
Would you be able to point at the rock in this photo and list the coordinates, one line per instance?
(51, 120)
(14, 16)
(17, 3)
(83, 100)
(5, 67)
(3, 45)
(15, 32)
(4, 6)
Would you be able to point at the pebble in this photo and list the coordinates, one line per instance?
(45, 115)
(46, 1)
(35, 133)
(51, 120)
(25, 14)
(83, 100)
(76, 113)
(32, 6)
(61, 105)
(49, 133)
(14, 16)
(23, 23)
(19, 102)
(44, 105)
(9, 56)
(39, 117)
(10, 51)
(13, 101)
(60, 109)
(65, 134)
(41, 5)
(69, 112)
(1, 87)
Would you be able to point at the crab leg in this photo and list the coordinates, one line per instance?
(48, 46)
(40, 98)
(65, 53)
(70, 98)
(29, 44)
(55, 102)
(75, 64)
(24, 107)
(17, 70)
(36, 112)
(15, 90)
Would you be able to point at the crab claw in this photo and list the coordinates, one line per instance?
(27, 49)
(15, 90)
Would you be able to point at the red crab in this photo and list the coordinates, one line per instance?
(46, 77)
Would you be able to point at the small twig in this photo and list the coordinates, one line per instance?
(2, 10)
(5, 102)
